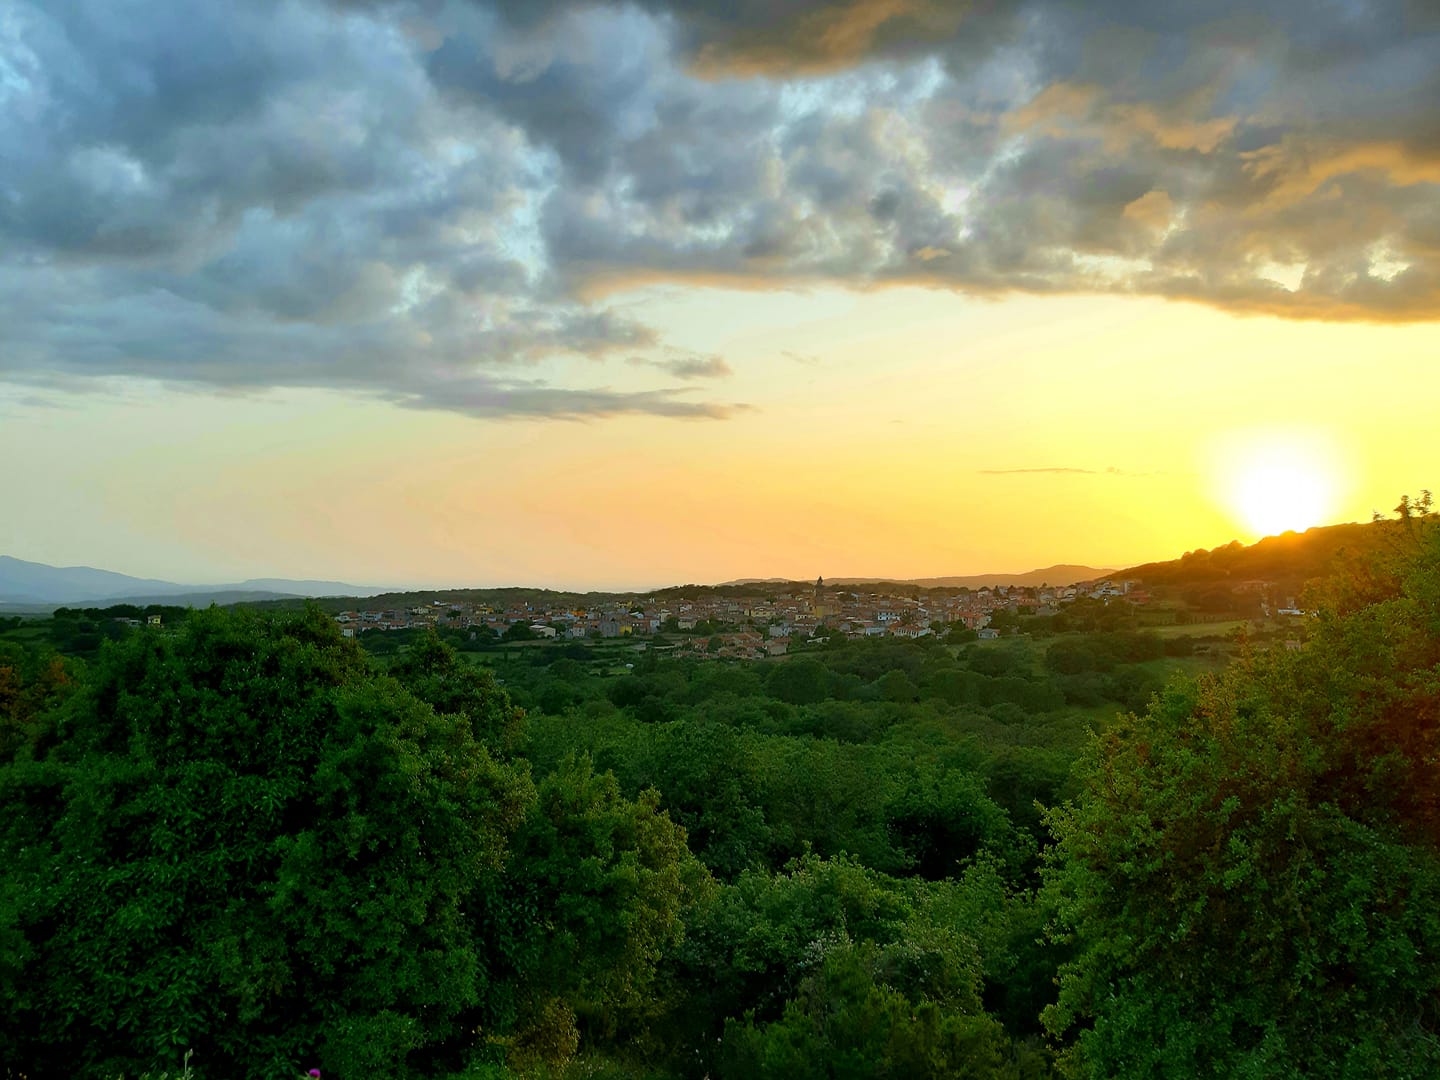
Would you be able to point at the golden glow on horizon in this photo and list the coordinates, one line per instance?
(901, 433)
(1280, 482)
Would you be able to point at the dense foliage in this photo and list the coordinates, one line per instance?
(245, 835)
(1251, 877)
(244, 840)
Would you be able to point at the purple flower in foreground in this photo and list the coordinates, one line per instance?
(313, 1072)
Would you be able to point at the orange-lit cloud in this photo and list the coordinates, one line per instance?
(450, 231)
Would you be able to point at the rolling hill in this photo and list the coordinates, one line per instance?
(32, 584)
(1291, 558)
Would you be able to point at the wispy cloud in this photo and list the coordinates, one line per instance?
(688, 367)
(495, 399)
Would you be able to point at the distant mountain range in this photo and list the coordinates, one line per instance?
(1063, 574)
(1290, 558)
(35, 585)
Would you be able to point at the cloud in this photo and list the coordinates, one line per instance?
(728, 38)
(1102, 149)
(430, 202)
(489, 398)
(689, 366)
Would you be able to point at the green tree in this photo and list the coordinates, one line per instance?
(252, 846)
(832, 970)
(244, 840)
(33, 682)
(596, 893)
(1251, 878)
(519, 631)
(434, 673)
(799, 682)
(941, 818)
(896, 686)
(909, 1011)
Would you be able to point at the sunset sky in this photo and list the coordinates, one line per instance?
(617, 296)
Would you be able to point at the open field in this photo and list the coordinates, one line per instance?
(1213, 629)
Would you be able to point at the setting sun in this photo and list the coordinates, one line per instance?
(1280, 486)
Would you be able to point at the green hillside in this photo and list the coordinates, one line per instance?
(1288, 559)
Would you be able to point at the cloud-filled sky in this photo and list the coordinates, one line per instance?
(506, 217)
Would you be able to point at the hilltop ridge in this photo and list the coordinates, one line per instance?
(1293, 557)
(32, 584)
(1059, 575)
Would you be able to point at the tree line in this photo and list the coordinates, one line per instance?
(243, 835)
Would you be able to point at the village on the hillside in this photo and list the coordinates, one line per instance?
(714, 624)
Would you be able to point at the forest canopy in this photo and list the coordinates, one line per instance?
(1085, 855)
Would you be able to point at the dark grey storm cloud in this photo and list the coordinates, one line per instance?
(430, 201)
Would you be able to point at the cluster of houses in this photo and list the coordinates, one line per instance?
(743, 626)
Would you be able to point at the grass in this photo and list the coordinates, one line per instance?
(1097, 717)
(34, 633)
(1169, 666)
(1214, 629)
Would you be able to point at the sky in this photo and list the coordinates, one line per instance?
(597, 295)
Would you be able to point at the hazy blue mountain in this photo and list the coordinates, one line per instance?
(304, 588)
(31, 583)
